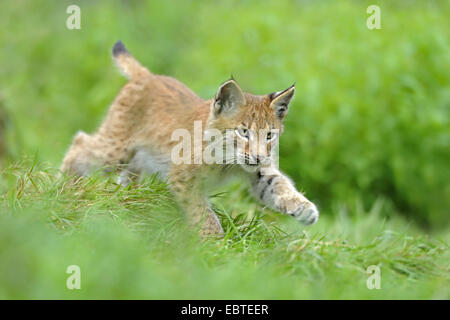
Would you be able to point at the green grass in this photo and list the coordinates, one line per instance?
(132, 243)
(366, 138)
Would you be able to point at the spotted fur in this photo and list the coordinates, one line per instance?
(135, 138)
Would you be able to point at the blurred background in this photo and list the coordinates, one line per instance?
(369, 120)
(367, 138)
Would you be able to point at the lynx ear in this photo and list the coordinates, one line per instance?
(229, 98)
(280, 101)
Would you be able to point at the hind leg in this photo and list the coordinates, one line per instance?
(128, 175)
(84, 156)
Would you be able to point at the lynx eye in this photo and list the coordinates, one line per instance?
(243, 133)
(271, 135)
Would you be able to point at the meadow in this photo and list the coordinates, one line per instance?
(366, 138)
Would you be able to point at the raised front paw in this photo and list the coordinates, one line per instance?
(300, 208)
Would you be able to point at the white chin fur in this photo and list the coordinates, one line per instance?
(249, 168)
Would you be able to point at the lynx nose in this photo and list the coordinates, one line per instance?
(256, 159)
(251, 159)
(262, 159)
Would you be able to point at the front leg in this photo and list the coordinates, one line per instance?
(192, 201)
(277, 191)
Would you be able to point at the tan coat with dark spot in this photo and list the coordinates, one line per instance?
(135, 138)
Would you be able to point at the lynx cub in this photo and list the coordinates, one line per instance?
(136, 138)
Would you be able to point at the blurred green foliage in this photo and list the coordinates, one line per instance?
(370, 117)
(132, 243)
(367, 136)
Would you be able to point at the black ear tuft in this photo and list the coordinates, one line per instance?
(119, 48)
(273, 95)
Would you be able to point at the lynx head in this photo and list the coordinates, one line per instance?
(251, 123)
